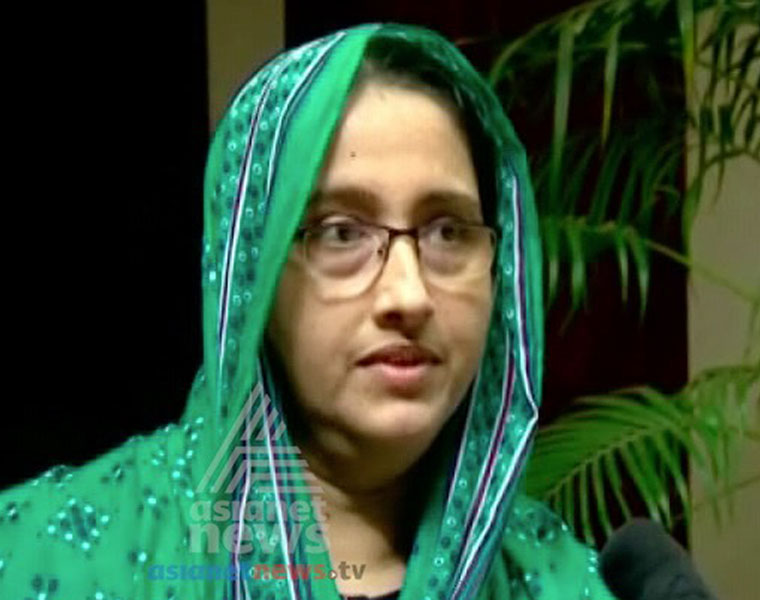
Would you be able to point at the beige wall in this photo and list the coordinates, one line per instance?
(241, 34)
(726, 238)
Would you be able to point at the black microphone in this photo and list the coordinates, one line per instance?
(642, 562)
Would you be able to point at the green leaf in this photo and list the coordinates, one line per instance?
(642, 485)
(648, 463)
(562, 86)
(753, 117)
(715, 67)
(671, 159)
(616, 484)
(588, 532)
(622, 257)
(750, 128)
(671, 461)
(689, 211)
(626, 198)
(579, 172)
(686, 25)
(610, 71)
(606, 180)
(502, 60)
(668, 407)
(551, 244)
(577, 266)
(630, 410)
(725, 127)
(601, 500)
(730, 38)
(639, 253)
(660, 155)
(656, 6)
(706, 120)
(725, 137)
(708, 475)
(749, 57)
(568, 507)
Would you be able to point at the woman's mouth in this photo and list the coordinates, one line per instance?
(401, 368)
(403, 378)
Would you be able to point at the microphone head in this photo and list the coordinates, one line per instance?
(642, 562)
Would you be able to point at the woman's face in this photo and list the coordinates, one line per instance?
(398, 159)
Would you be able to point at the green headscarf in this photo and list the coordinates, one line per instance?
(140, 521)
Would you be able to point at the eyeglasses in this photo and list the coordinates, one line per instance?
(346, 255)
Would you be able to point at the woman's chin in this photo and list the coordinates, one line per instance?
(398, 421)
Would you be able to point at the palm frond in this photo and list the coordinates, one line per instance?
(594, 215)
(598, 190)
(641, 435)
(577, 242)
(643, 165)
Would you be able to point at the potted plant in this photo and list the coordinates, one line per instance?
(600, 179)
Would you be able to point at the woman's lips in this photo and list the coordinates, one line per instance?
(401, 368)
(401, 379)
(403, 354)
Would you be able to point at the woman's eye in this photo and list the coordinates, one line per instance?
(341, 232)
(448, 230)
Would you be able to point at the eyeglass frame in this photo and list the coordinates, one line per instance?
(393, 232)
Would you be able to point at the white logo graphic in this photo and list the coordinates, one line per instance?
(255, 436)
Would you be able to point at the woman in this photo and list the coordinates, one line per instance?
(372, 361)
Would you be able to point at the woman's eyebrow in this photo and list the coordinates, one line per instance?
(348, 196)
(451, 199)
(355, 197)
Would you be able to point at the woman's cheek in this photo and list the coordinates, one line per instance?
(321, 352)
(470, 338)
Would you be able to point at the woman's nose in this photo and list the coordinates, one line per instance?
(401, 296)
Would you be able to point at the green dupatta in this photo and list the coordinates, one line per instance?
(156, 519)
